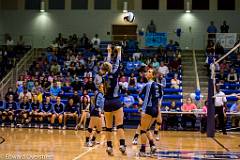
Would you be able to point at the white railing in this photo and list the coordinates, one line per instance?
(196, 71)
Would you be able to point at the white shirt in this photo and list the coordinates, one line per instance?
(10, 42)
(164, 70)
(95, 42)
(220, 100)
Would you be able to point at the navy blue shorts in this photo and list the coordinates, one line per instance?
(152, 111)
(111, 105)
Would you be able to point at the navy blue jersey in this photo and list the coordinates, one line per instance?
(152, 94)
(71, 108)
(11, 106)
(46, 107)
(58, 108)
(25, 106)
(35, 106)
(110, 80)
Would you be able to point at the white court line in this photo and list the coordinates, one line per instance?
(89, 150)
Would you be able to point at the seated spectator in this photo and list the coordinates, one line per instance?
(97, 80)
(128, 100)
(162, 80)
(236, 63)
(224, 65)
(88, 74)
(232, 78)
(175, 82)
(9, 112)
(163, 69)
(76, 98)
(174, 65)
(76, 84)
(58, 110)
(172, 119)
(85, 107)
(221, 77)
(132, 82)
(235, 118)
(84, 41)
(189, 106)
(90, 86)
(55, 68)
(137, 55)
(47, 109)
(2, 106)
(55, 90)
(25, 93)
(123, 83)
(219, 50)
(155, 63)
(10, 92)
(71, 111)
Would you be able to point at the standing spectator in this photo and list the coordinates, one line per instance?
(163, 69)
(151, 28)
(224, 27)
(84, 41)
(9, 41)
(189, 106)
(96, 42)
(220, 102)
(211, 30)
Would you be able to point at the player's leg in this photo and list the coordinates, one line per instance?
(135, 138)
(109, 123)
(158, 126)
(89, 132)
(60, 120)
(53, 120)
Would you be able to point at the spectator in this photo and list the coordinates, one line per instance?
(10, 92)
(76, 98)
(163, 69)
(151, 28)
(224, 27)
(132, 82)
(232, 77)
(97, 80)
(85, 107)
(84, 41)
(96, 42)
(211, 30)
(25, 93)
(47, 109)
(221, 77)
(9, 41)
(155, 63)
(55, 90)
(175, 82)
(172, 119)
(9, 112)
(189, 106)
(90, 86)
(55, 68)
(123, 83)
(235, 118)
(219, 50)
(128, 100)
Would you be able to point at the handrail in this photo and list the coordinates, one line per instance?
(196, 71)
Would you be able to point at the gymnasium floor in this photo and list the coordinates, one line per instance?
(69, 144)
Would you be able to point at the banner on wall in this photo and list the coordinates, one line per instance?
(156, 39)
(227, 40)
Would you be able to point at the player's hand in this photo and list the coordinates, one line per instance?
(140, 101)
(109, 48)
(118, 48)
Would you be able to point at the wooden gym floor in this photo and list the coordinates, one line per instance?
(56, 144)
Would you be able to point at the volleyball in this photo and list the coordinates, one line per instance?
(129, 17)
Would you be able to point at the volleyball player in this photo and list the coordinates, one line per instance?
(112, 106)
(58, 110)
(24, 111)
(150, 107)
(46, 111)
(9, 111)
(95, 117)
(36, 110)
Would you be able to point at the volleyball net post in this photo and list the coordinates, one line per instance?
(211, 93)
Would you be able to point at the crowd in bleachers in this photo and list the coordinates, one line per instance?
(67, 75)
(227, 73)
(10, 53)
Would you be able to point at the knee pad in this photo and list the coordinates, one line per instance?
(143, 132)
(90, 130)
(98, 132)
(120, 126)
(108, 129)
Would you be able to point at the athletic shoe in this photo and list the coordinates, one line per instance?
(59, 127)
(76, 127)
(153, 149)
(135, 141)
(157, 138)
(122, 148)
(3, 124)
(114, 128)
(109, 151)
(12, 125)
(35, 126)
(19, 125)
(49, 126)
(29, 125)
(89, 144)
(142, 154)
(64, 127)
(41, 126)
